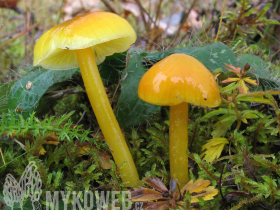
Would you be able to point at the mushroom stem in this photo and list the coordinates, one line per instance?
(178, 140)
(105, 116)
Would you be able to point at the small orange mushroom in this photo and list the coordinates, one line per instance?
(175, 81)
(84, 42)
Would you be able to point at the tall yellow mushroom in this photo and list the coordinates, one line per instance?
(175, 81)
(84, 42)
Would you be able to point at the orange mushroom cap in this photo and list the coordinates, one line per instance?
(105, 32)
(179, 78)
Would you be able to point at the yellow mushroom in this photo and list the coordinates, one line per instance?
(84, 42)
(175, 81)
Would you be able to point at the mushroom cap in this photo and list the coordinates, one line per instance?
(179, 78)
(105, 32)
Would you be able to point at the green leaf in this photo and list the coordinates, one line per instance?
(276, 22)
(216, 112)
(221, 127)
(229, 88)
(251, 114)
(131, 110)
(4, 95)
(253, 98)
(110, 70)
(26, 100)
(213, 56)
(260, 68)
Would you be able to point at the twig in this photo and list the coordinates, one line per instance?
(2, 157)
(28, 29)
(221, 19)
(184, 19)
(148, 60)
(269, 35)
(107, 4)
(220, 182)
(81, 118)
(115, 92)
(158, 12)
(58, 94)
(142, 10)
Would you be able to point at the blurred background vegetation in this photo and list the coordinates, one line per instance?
(160, 24)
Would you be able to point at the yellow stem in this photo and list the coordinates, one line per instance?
(105, 116)
(178, 137)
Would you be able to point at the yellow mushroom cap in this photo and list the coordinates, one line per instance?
(179, 78)
(105, 32)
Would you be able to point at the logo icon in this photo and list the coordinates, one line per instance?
(29, 185)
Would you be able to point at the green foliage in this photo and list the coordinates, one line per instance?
(4, 93)
(245, 15)
(131, 110)
(25, 99)
(34, 127)
(247, 172)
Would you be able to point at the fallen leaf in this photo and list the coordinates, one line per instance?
(156, 183)
(199, 189)
(146, 194)
(166, 199)
(104, 158)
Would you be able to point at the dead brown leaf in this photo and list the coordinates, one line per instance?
(172, 198)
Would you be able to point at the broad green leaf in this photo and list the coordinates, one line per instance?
(25, 101)
(110, 70)
(4, 95)
(260, 68)
(213, 56)
(131, 110)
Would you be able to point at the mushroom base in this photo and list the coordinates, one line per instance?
(178, 143)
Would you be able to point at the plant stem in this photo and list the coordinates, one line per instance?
(238, 117)
(236, 110)
(105, 116)
(221, 19)
(2, 157)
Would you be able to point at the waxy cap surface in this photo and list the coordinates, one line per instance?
(105, 32)
(179, 78)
